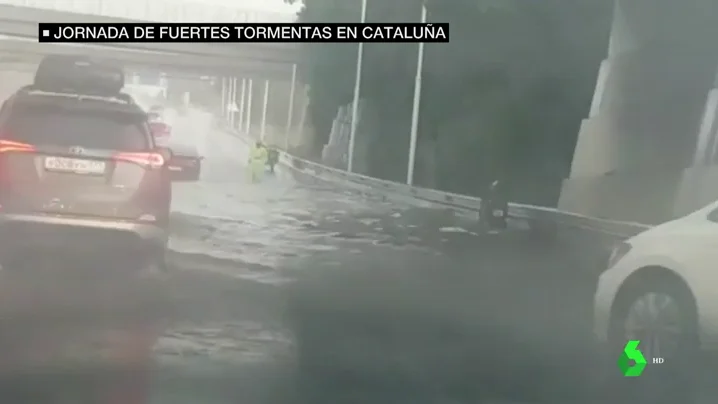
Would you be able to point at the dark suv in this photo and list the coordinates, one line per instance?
(81, 175)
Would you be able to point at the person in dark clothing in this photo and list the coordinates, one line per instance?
(272, 158)
(494, 212)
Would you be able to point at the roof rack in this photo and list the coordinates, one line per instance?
(120, 98)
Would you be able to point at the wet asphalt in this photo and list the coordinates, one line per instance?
(298, 291)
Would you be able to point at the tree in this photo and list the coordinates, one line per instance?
(503, 99)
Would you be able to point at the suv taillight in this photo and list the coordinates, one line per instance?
(7, 146)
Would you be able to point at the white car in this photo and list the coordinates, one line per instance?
(661, 288)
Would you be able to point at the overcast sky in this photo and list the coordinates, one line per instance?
(269, 5)
(264, 5)
(278, 6)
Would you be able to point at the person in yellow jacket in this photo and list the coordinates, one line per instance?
(257, 161)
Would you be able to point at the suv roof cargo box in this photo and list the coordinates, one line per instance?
(78, 74)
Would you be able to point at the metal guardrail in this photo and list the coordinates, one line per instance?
(538, 217)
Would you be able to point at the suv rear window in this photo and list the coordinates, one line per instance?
(89, 129)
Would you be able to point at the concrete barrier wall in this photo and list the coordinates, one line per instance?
(699, 187)
(641, 196)
(650, 196)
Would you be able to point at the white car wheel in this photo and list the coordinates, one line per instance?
(655, 319)
(659, 310)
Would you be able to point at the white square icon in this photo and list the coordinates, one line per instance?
(45, 32)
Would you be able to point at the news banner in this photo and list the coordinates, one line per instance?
(246, 32)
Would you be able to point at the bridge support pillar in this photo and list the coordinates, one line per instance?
(639, 141)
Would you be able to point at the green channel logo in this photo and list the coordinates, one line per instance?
(632, 354)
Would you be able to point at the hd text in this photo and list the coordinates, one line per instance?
(258, 32)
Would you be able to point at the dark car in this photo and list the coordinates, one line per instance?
(185, 164)
(81, 174)
(81, 177)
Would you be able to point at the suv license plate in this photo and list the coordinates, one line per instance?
(74, 165)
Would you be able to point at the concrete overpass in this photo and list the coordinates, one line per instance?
(268, 95)
(648, 151)
(267, 71)
(31, 51)
(21, 23)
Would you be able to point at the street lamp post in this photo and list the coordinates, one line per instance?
(355, 104)
(232, 101)
(290, 108)
(248, 123)
(415, 108)
(265, 104)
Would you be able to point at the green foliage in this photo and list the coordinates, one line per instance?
(504, 98)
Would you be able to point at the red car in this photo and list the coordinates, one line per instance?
(186, 163)
(159, 128)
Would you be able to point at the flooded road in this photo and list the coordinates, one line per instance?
(288, 292)
(307, 293)
(237, 246)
